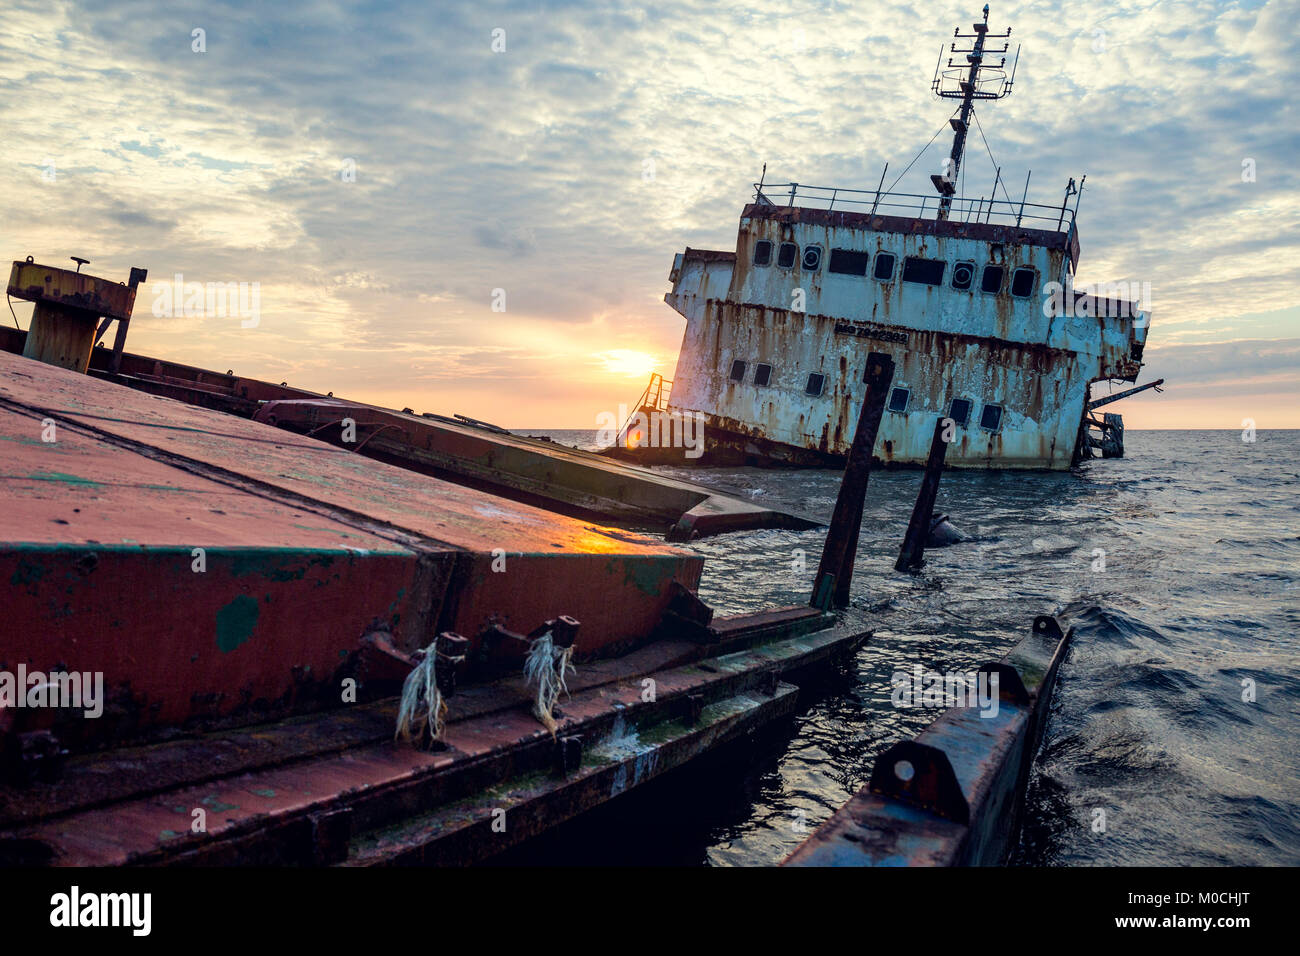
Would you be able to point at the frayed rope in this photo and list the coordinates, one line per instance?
(545, 666)
(422, 684)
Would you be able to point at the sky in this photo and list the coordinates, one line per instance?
(474, 209)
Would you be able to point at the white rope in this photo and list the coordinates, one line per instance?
(545, 666)
(422, 682)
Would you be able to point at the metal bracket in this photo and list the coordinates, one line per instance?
(1049, 626)
(331, 835)
(694, 705)
(380, 664)
(922, 776)
(379, 660)
(451, 649)
(564, 631)
(1010, 684)
(687, 616)
(568, 755)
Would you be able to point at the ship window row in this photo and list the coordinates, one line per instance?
(990, 416)
(899, 397)
(762, 372)
(917, 269)
(959, 410)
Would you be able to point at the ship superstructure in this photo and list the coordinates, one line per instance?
(973, 298)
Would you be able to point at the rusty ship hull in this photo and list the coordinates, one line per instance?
(972, 297)
(783, 384)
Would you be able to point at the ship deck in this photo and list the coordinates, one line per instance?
(474, 454)
(227, 578)
(218, 569)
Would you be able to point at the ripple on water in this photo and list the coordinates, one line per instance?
(1201, 539)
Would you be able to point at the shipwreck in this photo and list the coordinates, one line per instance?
(972, 296)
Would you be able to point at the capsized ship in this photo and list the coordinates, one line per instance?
(972, 297)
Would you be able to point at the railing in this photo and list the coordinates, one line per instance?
(963, 209)
(654, 398)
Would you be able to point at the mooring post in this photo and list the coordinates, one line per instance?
(831, 586)
(912, 554)
(119, 341)
(67, 308)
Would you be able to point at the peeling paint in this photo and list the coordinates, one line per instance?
(947, 343)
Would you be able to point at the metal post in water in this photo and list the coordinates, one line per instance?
(831, 586)
(912, 554)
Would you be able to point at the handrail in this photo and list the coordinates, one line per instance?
(661, 388)
(1053, 218)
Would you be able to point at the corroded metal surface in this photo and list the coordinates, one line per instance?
(1024, 354)
(951, 797)
(101, 778)
(401, 804)
(541, 473)
(306, 548)
(70, 290)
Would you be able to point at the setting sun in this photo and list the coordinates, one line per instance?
(628, 362)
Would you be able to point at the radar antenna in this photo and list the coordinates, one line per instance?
(976, 80)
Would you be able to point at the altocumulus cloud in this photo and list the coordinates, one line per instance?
(569, 168)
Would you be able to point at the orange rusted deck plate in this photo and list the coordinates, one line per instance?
(307, 548)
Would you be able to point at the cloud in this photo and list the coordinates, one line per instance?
(570, 168)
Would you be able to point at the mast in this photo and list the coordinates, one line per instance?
(981, 81)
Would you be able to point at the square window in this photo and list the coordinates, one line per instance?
(816, 381)
(789, 252)
(763, 252)
(1022, 282)
(963, 275)
(898, 399)
(884, 266)
(959, 411)
(849, 263)
(992, 280)
(991, 418)
(812, 258)
(762, 374)
(738, 371)
(924, 271)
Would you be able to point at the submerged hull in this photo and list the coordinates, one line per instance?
(1041, 390)
(981, 320)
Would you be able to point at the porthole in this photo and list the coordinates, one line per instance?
(963, 275)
